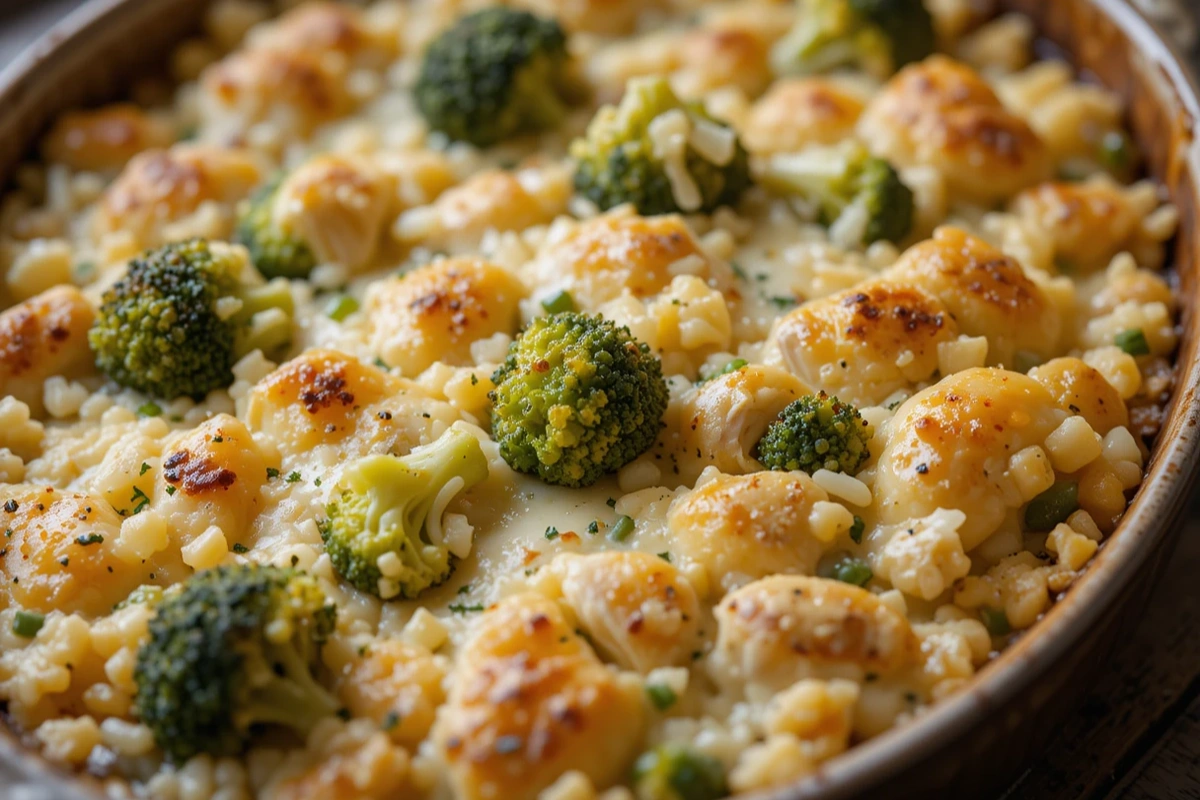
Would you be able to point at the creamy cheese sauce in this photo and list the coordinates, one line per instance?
(1014, 344)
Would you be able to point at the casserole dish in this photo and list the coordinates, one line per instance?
(976, 737)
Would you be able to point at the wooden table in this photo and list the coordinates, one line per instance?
(1136, 736)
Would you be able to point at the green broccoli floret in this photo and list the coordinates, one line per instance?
(183, 315)
(382, 506)
(274, 250)
(231, 649)
(879, 36)
(494, 74)
(674, 772)
(631, 154)
(837, 180)
(577, 398)
(816, 432)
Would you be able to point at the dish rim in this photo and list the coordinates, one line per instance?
(1146, 526)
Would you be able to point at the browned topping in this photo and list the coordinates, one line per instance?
(196, 475)
(323, 388)
(18, 339)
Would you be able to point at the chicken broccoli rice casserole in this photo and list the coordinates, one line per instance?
(565, 399)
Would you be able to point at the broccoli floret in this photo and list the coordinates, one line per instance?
(182, 316)
(274, 250)
(660, 154)
(816, 432)
(577, 398)
(879, 36)
(382, 506)
(832, 181)
(231, 649)
(494, 74)
(674, 772)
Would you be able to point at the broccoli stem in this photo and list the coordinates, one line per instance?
(455, 455)
(292, 697)
(264, 321)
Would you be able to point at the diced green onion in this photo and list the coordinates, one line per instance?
(621, 529)
(1052, 506)
(26, 624)
(732, 366)
(1132, 341)
(995, 620)
(341, 307)
(663, 697)
(852, 570)
(149, 409)
(559, 302)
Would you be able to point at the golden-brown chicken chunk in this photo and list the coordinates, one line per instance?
(336, 204)
(530, 701)
(435, 312)
(1089, 222)
(617, 254)
(315, 399)
(1081, 389)
(44, 336)
(324, 397)
(942, 114)
(798, 112)
(293, 91)
(949, 447)
(212, 476)
(327, 28)
(635, 607)
(57, 552)
(492, 200)
(717, 56)
(105, 138)
(1105, 292)
(742, 528)
(986, 291)
(722, 419)
(779, 630)
(159, 187)
(867, 342)
(396, 684)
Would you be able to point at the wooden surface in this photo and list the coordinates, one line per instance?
(1137, 735)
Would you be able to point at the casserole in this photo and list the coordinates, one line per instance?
(1161, 100)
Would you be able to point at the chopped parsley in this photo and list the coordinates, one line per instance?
(139, 500)
(462, 608)
(662, 697)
